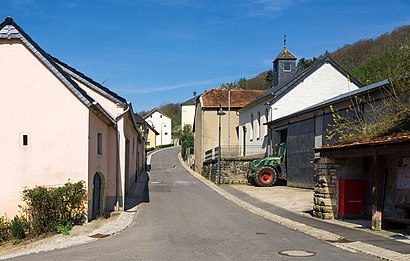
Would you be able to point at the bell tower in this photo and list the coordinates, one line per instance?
(284, 66)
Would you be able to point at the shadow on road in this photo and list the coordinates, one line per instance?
(139, 192)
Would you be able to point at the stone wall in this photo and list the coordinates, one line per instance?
(325, 187)
(232, 170)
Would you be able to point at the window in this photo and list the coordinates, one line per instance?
(266, 121)
(24, 140)
(99, 144)
(166, 133)
(251, 129)
(160, 116)
(286, 66)
(258, 130)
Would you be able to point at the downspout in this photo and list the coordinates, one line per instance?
(117, 203)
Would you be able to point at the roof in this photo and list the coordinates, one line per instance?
(282, 89)
(10, 30)
(139, 119)
(238, 98)
(155, 110)
(99, 88)
(285, 54)
(191, 101)
(397, 139)
(339, 98)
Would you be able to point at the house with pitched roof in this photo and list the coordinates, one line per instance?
(292, 91)
(206, 120)
(62, 126)
(150, 133)
(162, 124)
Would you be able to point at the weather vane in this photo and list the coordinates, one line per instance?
(284, 40)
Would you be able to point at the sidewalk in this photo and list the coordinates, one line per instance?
(290, 207)
(88, 232)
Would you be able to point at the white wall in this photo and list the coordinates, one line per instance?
(187, 115)
(162, 124)
(325, 83)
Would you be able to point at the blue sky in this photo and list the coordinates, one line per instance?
(153, 52)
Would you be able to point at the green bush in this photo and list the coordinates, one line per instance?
(18, 228)
(4, 229)
(48, 208)
(63, 229)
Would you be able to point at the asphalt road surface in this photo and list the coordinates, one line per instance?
(186, 220)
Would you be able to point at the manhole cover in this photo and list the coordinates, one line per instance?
(296, 253)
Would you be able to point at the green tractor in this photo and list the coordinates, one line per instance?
(265, 172)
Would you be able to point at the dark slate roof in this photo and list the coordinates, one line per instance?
(191, 101)
(139, 119)
(154, 110)
(282, 89)
(10, 30)
(99, 88)
(339, 98)
(285, 54)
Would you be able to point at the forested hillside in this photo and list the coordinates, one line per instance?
(369, 60)
(373, 60)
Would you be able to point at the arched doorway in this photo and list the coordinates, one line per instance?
(96, 196)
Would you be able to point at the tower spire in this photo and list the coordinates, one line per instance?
(284, 40)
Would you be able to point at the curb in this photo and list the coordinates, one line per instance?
(321, 234)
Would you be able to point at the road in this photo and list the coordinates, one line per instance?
(186, 220)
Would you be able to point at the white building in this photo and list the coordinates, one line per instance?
(162, 124)
(188, 112)
(292, 92)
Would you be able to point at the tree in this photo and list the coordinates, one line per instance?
(305, 63)
(269, 79)
(390, 115)
(186, 140)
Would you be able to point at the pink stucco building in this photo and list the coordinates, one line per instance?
(59, 125)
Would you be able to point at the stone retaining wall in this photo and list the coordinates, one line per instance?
(325, 187)
(232, 170)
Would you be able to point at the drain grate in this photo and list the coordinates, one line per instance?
(296, 253)
(99, 235)
(341, 240)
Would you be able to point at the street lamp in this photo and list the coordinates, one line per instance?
(162, 124)
(219, 113)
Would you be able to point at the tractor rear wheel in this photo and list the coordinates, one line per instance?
(266, 177)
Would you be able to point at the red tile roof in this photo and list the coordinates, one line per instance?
(239, 98)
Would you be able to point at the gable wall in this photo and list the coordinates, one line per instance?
(187, 115)
(35, 102)
(325, 83)
(159, 119)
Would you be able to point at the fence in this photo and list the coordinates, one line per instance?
(234, 151)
